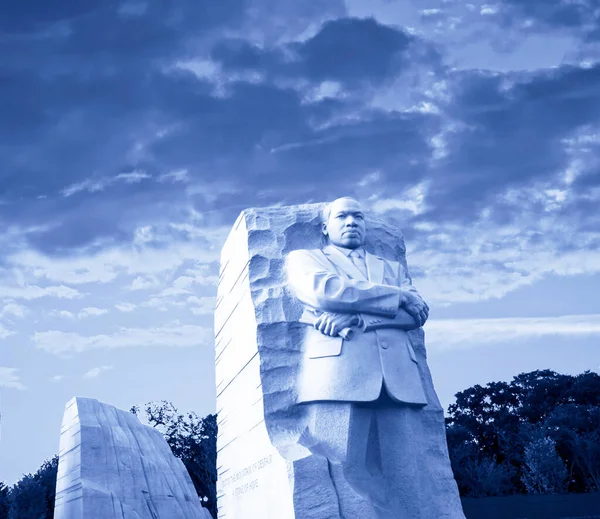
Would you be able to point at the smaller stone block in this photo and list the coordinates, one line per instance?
(111, 466)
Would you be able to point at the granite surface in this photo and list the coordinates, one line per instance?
(112, 466)
(264, 470)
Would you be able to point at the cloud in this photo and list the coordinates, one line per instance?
(454, 263)
(125, 307)
(63, 119)
(5, 332)
(14, 309)
(93, 185)
(427, 145)
(201, 305)
(199, 278)
(143, 283)
(160, 304)
(430, 12)
(471, 333)
(96, 372)
(72, 269)
(163, 249)
(9, 378)
(141, 130)
(351, 49)
(488, 10)
(91, 310)
(346, 49)
(30, 292)
(57, 378)
(65, 314)
(170, 335)
(133, 177)
(510, 132)
(411, 201)
(581, 16)
(88, 185)
(179, 175)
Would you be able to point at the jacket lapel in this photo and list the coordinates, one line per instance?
(375, 267)
(343, 262)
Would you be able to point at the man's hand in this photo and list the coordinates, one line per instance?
(415, 306)
(331, 324)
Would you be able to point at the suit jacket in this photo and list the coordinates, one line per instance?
(334, 369)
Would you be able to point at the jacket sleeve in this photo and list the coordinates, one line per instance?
(402, 320)
(405, 283)
(319, 286)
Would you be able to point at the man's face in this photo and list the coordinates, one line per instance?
(346, 224)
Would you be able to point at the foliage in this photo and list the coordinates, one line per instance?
(27, 500)
(194, 441)
(539, 433)
(32, 497)
(541, 430)
(543, 471)
(4, 500)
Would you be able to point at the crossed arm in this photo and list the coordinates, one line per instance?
(347, 302)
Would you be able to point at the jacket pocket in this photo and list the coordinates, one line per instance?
(318, 345)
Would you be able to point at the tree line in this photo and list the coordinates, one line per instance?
(537, 434)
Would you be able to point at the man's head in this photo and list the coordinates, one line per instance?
(344, 223)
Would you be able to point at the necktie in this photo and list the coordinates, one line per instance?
(359, 262)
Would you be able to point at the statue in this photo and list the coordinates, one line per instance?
(359, 374)
(326, 407)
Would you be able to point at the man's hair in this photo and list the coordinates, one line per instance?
(326, 211)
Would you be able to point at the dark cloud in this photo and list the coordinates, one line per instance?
(354, 49)
(104, 95)
(76, 102)
(510, 133)
(33, 15)
(241, 54)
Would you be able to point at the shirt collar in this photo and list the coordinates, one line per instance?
(346, 252)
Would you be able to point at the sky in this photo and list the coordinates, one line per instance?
(134, 132)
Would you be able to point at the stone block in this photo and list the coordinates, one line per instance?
(265, 469)
(111, 466)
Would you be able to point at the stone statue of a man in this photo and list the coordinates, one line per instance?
(360, 377)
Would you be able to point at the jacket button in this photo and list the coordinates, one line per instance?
(384, 345)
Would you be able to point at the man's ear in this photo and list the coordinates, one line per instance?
(324, 228)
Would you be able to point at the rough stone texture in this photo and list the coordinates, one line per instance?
(258, 343)
(253, 479)
(112, 466)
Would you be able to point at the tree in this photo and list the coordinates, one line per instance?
(194, 441)
(4, 500)
(487, 413)
(586, 447)
(27, 499)
(32, 497)
(544, 472)
(46, 477)
(494, 423)
(487, 419)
